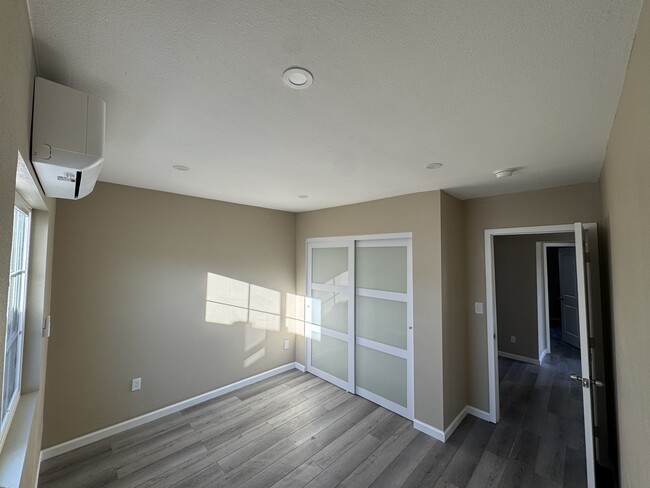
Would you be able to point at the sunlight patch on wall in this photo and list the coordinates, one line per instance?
(295, 314)
(234, 302)
(227, 291)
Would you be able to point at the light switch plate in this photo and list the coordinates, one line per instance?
(285, 345)
(478, 308)
(47, 327)
(513, 339)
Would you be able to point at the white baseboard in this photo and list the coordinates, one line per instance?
(481, 414)
(444, 436)
(299, 367)
(84, 440)
(455, 423)
(517, 357)
(429, 430)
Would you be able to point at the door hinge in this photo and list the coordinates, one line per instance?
(587, 257)
(595, 430)
(592, 343)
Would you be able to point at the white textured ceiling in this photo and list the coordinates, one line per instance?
(476, 85)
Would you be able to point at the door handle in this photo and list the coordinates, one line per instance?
(586, 382)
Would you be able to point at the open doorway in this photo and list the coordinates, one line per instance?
(557, 297)
(534, 396)
(522, 294)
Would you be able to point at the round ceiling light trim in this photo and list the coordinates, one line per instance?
(297, 78)
(433, 166)
(180, 167)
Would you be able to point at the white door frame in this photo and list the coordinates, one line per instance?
(589, 317)
(404, 238)
(543, 316)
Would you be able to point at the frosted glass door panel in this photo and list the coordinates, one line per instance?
(330, 355)
(382, 321)
(381, 374)
(330, 310)
(330, 265)
(381, 268)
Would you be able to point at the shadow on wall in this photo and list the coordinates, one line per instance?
(258, 310)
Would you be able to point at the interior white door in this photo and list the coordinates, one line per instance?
(384, 330)
(569, 296)
(329, 312)
(586, 379)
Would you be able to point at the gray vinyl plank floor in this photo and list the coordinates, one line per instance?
(297, 430)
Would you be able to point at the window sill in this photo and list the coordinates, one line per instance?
(14, 451)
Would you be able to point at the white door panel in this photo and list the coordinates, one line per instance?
(359, 317)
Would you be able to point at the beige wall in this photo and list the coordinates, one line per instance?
(16, 83)
(130, 300)
(417, 213)
(626, 200)
(454, 316)
(515, 272)
(17, 72)
(544, 207)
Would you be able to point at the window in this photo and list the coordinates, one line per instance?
(13, 347)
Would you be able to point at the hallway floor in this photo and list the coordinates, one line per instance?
(541, 409)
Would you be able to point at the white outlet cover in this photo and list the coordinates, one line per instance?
(286, 344)
(513, 339)
(47, 327)
(136, 384)
(478, 308)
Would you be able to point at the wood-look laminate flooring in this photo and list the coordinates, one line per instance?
(297, 430)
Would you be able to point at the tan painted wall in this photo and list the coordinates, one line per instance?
(626, 201)
(18, 68)
(454, 314)
(417, 213)
(515, 270)
(544, 207)
(130, 300)
(17, 72)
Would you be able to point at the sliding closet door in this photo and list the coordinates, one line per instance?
(359, 317)
(329, 311)
(383, 317)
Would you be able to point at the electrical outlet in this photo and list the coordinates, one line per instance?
(136, 384)
(478, 308)
(513, 339)
(286, 344)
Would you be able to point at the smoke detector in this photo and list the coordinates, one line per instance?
(504, 173)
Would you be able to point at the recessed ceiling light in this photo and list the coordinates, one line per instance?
(297, 78)
(303, 196)
(181, 167)
(504, 173)
(433, 166)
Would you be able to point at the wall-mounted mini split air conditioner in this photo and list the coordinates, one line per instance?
(67, 139)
